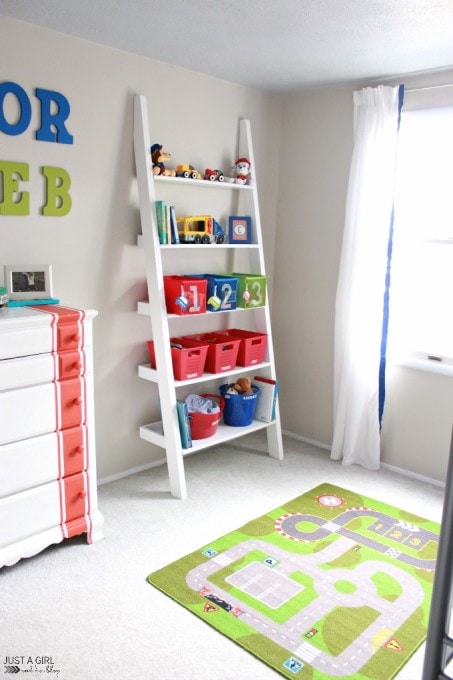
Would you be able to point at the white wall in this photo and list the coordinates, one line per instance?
(315, 155)
(96, 263)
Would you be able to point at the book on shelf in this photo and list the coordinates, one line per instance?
(174, 225)
(30, 303)
(266, 402)
(184, 424)
(161, 215)
(168, 223)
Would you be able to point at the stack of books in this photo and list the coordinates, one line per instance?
(166, 223)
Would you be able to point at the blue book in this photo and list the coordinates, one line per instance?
(30, 303)
(184, 424)
(174, 225)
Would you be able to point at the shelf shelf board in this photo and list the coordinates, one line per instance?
(205, 183)
(203, 246)
(153, 433)
(147, 373)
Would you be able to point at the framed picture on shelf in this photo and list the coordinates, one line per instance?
(239, 229)
(28, 281)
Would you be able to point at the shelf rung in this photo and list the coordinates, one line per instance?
(153, 433)
(147, 373)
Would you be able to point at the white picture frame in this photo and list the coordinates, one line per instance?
(28, 281)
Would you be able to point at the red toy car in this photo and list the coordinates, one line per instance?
(214, 175)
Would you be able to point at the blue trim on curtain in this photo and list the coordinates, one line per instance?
(385, 320)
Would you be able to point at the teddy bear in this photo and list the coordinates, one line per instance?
(159, 159)
(241, 386)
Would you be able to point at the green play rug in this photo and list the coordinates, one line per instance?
(330, 585)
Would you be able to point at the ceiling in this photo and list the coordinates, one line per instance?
(279, 45)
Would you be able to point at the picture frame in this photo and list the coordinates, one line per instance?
(239, 229)
(28, 281)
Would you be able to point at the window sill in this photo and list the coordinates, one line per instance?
(428, 365)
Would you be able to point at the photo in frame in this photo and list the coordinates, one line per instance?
(239, 229)
(29, 281)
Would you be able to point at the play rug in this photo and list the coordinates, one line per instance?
(330, 585)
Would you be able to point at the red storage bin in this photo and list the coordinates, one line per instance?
(203, 425)
(253, 346)
(185, 295)
(188, 357)
(222, 352)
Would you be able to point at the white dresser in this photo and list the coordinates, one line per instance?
(47, 444)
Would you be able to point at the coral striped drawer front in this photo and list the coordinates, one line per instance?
(38, 460)
(47, 442)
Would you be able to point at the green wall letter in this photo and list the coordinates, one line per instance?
(58, 200)
(12, 172)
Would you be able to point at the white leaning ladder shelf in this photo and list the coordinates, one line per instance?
(165, 433)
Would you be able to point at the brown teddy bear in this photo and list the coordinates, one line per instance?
(159, 159)
(241, 386)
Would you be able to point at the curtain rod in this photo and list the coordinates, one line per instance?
(429, 87)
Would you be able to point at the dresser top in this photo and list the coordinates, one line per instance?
(29, 317)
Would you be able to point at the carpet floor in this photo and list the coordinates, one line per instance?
(91, 609)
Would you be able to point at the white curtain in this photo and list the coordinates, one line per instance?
(362, 277)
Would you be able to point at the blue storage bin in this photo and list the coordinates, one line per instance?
(221, 292)
(239, 409)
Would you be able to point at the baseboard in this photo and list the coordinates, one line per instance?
(386, 466)
(291, 435)
(131, 471)
(413, 475)
(313, 442)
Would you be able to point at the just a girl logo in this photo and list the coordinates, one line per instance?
(43, 665)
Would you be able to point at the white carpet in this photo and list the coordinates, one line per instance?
(90, 608)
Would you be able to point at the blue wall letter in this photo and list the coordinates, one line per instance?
(24, 109)
(53, 124)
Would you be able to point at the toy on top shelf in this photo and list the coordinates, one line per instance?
(200, 229)
(159, 159)
(242, 168)
(214, 175)
(187, 171)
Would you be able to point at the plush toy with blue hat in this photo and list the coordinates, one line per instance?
(159, 159)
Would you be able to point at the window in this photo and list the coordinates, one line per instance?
(421, 296)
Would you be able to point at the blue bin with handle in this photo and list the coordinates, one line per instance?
(239, 409)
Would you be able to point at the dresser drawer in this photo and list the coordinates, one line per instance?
(40, 409)
(44, 507)
(29, 512)
(42, 368)
(42, 330)
(39, 460)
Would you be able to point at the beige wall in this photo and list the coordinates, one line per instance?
(96, 263)
(315, 156)
(303, 146)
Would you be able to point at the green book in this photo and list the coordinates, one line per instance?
(161, 215)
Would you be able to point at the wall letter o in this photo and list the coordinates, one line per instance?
(24, 109)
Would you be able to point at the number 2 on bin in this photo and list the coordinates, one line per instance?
(226, 294)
